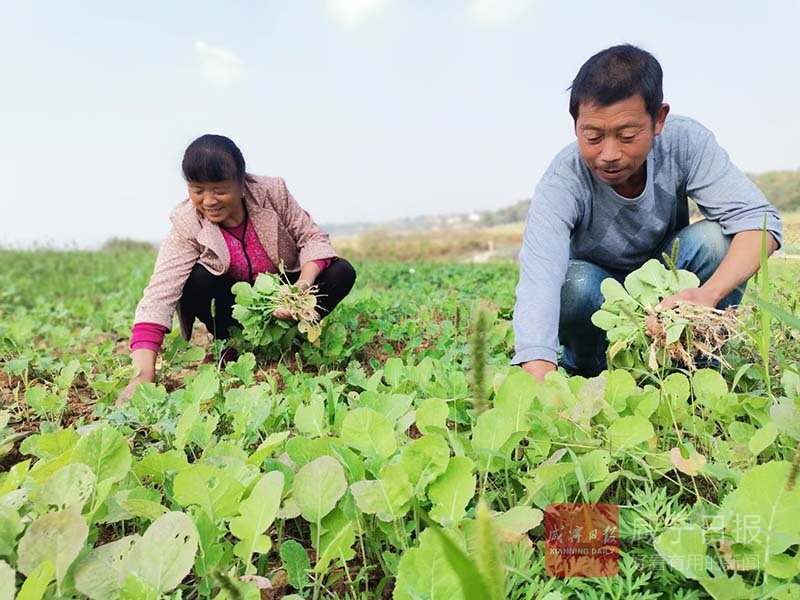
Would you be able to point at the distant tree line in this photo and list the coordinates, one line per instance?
(782, 188)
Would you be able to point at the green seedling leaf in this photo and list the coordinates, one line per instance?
(544, 475)
(15, 477)
(763, 438)
(165, 553)
(189, 418)
(7, 584)
(424, 460)
(452, 491)
(424, 572)
(386, 497)
(614, 293)
(209, 488)
(516, 394)
(724, 588)
(157, 465)
(143, 508)
(353, 463)
(211, 550)
(296, 562)
(136, 589)
(56, 537)
(762, 512)
(790, 380)
(256, 514)
(393, 372)
(267, 448)
(786, 417)
(101, 574)
(303, 450)
(37, 582)
(619, 386)
(432, 415)
(204, 386)
(709, 386)
(69, 487)
(590, 400)
(684, 549)
(310, 419)
(193, 355)
(318, 486)
(249, 407)
(473, 585)
(105, 451)
(337, 541)
(369, 432)
(594, 465)
(10, 527)
(50, 445)
(517, 521)
(629, 432)
(492, 430)
(391, 406)
(244, 368)
(783, 566)
(43, 469)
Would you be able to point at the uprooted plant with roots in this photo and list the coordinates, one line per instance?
(256, 305)
(642, 338)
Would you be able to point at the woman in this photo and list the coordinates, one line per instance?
(232, 227)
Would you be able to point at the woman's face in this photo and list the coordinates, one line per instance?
(219, 201)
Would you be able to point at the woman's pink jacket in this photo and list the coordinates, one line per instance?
(286, 231)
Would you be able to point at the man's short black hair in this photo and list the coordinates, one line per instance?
(615, 74)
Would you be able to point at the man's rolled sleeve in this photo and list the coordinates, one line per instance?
(726, 195)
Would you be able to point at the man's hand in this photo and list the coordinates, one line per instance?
(282, 314)
(701, 295)
(538, 368)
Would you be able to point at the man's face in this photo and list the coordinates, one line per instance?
(614, 141)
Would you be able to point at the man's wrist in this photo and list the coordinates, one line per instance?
(714, 293)
(538, 368)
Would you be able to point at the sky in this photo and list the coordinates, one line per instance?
(369, 109)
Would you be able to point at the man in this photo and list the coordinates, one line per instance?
(617, 197)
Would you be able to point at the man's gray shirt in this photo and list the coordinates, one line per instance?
(575, 215)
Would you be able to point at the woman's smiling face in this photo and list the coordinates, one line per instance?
(219, 201)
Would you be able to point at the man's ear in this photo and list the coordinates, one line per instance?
(661, 117)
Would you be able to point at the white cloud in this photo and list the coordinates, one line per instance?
(353, 12)
(220, 66)
(498, 12)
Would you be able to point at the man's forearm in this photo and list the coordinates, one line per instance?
(741, 261)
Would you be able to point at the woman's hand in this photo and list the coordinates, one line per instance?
(145, 363)
(127, 393)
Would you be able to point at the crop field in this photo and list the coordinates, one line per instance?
(399, 456)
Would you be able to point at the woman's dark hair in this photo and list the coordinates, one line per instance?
(615, 74)
(213, 158)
